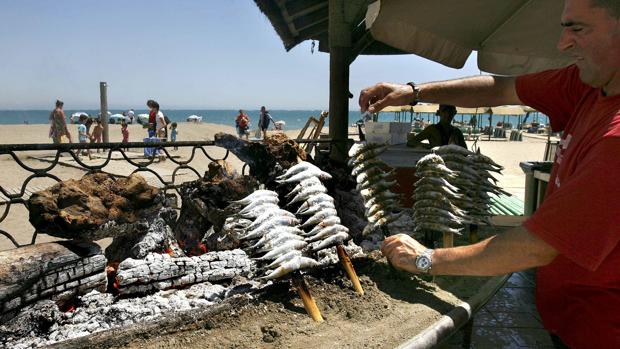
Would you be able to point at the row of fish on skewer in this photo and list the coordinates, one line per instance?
(374, 184)
(434, 208)
(282, 240)
(453, 189)
(474, 180)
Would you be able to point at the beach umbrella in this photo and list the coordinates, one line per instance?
(511, 37)
(75, 117)
(116, 118)
(194, 118)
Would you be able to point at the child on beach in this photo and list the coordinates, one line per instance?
(97, 133)
(243, 124)
(125, 132)
(83, 136)
(173, 134)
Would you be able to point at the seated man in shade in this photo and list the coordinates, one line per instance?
(441, 133)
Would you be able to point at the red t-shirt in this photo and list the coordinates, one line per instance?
(578, 293)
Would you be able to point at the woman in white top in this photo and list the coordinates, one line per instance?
(160, 121)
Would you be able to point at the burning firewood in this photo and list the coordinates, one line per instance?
(206, 205)
(57, 271)
(161, 271)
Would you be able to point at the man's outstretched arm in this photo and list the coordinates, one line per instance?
(477, 91)
(514, 250)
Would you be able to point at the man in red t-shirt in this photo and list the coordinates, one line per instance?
(573, 237)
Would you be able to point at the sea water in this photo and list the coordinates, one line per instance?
(294, 119)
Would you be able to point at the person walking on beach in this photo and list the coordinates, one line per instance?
(573, 237)
(97, 133)
(125, 133)
(157, 124)
(441, 133)
(58, 124)
(173, 134)
(152, 124)
(130, 115)
(242, 123)
(83, 136)
(264, 120)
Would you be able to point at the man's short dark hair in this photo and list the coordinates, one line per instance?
(612, 6)
(449, 108)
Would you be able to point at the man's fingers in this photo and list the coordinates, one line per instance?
(388, 244)
(367, 96)
(382, 103)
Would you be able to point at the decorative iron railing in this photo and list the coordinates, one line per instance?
(13, 196)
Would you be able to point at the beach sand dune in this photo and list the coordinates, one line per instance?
(508, 154)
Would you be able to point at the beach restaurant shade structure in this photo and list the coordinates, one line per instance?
(511, 36)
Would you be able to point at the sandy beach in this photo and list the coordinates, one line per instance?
(507, 154)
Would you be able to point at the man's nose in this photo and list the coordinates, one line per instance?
(566, 41)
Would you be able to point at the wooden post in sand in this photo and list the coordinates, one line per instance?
(306, 297)
(103, 89)
(348, 268)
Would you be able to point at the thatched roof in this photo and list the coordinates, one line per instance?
(298, 20)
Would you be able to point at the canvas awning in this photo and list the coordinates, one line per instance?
(508, 110)
(432, 108)
(511, 37)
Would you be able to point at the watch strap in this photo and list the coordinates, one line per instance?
(416, 92)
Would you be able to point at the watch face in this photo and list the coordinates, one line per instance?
(423, 263)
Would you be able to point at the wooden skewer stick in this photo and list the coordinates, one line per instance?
(448, 240)
(348, 268)
(306, 297)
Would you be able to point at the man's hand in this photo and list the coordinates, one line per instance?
(385, 94)
(401, 251)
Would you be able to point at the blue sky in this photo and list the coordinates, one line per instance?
(208, 54)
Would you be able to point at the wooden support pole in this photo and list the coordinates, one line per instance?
(348, 268)
(448, 240)
(340, 50)
(103, 89)
(306, 297)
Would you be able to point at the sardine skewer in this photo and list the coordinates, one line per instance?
(306, 297)
(348, 268)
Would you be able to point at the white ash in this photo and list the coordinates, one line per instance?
(161, 271)
(375, 236)
(329, 256)
(99, 311)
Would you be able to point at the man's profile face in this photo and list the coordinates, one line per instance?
(592, 37)
(445, 114)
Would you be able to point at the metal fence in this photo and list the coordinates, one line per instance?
(11, 197)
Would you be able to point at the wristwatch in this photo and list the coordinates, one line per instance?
(424, 261)
(416, 94)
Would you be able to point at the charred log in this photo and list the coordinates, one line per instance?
(158, 238)
(287, 151)
(206, 204)
(160, 271)
(95, 207)
(58, 271)
(263, 164)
